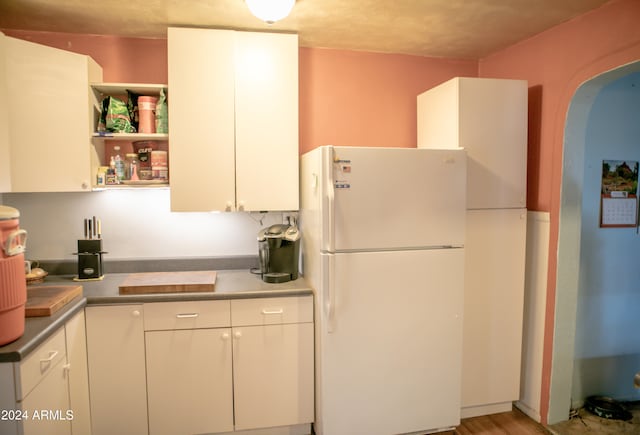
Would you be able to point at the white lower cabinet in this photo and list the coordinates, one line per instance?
(76, 339)
(202, 366)
(117, 375)
(47, 391)
(273, 375)
(188, 356)
(50, 395)
(493, 310)
(189, 382)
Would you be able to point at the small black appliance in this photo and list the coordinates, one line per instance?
(279, 249)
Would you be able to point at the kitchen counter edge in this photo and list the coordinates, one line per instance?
(38, 329)
(231, 284)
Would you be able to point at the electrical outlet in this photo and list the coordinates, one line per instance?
(290, 217)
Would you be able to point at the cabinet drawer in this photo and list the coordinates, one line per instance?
(271, 311)
(186, 315)
(40, 362)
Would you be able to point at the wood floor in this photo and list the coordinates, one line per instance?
(506, 423)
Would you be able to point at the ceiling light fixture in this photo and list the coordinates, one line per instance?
(270, 11)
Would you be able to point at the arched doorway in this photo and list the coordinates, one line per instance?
(578, 251)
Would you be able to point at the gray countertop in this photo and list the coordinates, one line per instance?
(230, 284)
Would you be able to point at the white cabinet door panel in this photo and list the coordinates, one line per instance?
(493, 306)
(189, 381)
(273, 375)
(117, 376)
(201, 119)
(266, 121)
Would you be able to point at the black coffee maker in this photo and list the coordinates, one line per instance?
(279, 249)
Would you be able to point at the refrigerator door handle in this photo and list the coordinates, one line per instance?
(329, 197)
(328, 294)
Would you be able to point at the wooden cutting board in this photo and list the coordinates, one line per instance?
(46, 300)
(168, 282)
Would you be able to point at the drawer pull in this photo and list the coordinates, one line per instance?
(276, 311)
(187, 316)
(52, 355)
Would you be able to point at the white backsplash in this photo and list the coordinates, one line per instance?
(136, 224)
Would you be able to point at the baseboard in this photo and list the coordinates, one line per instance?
(301, 429)
(494, 408)
(534, 414)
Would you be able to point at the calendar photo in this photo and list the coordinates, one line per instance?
(618, 196)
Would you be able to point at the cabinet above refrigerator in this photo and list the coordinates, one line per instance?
(488, 118)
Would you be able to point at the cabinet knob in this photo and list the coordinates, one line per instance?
(84, 185)
(136, 313)
(224, 336)
(237, 334)
(241, 206)
(229, 206)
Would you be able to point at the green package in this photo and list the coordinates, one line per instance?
(117, 117)
(162, 115)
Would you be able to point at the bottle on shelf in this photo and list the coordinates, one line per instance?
(131, 167)
(119, 165)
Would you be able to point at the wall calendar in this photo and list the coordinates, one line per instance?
(618, 195)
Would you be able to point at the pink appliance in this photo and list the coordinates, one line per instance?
(13, 283)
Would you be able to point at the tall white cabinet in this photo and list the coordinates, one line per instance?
(45, 125)
(487, 117)
(233, 120)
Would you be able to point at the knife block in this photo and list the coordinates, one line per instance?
(90, 259)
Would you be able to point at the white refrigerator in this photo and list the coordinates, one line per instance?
(383, 247)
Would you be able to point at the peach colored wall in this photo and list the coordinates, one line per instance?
(123, 60)
(356, 98)
(556, 63)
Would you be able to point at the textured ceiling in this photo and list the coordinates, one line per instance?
(466, 29)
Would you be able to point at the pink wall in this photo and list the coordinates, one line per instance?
(357, 98)
(556, 63)
(123, 60)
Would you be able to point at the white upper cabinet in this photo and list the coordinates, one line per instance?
(45, 112)
(487, 117)
(201, 119)
(266, 121)
(233, 120)
(5, 174)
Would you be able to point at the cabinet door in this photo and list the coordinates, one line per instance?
(5, 174)
(493, 130)
(189, 381)
(273, 375)
(78, 374)
(48, 405)
(115, 354)
(493, 306)
(201, 119)
(488, 118)
(266, 104)
(49, 126)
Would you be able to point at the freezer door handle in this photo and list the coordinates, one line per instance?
(329, 292)
(329, 200)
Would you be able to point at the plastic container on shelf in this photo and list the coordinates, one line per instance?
(144, 148)
(147, 114)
